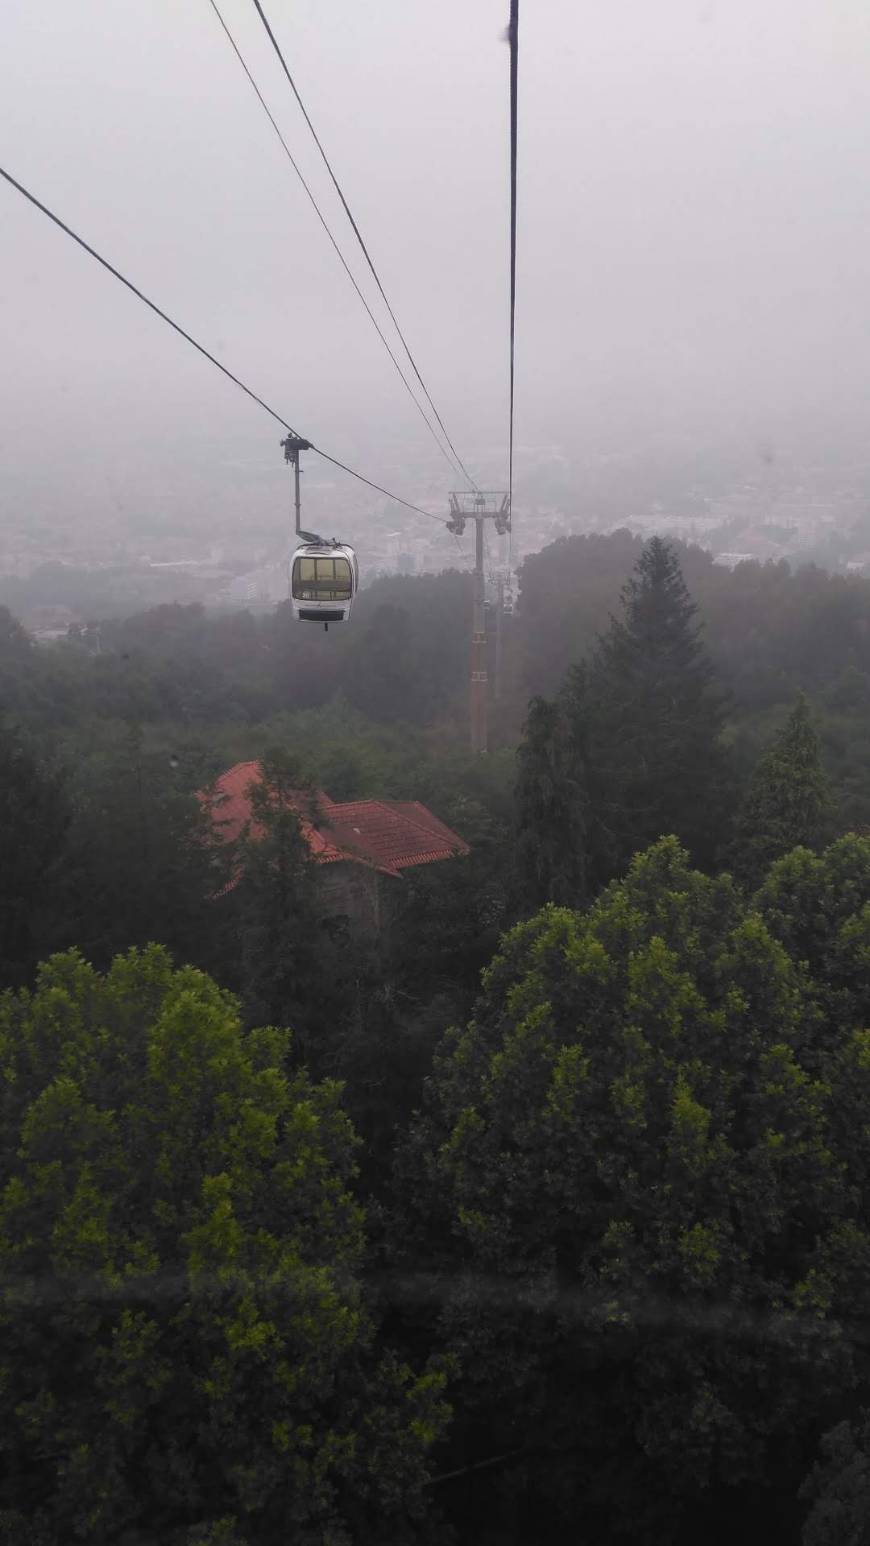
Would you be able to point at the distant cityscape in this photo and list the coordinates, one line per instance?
(775, 510)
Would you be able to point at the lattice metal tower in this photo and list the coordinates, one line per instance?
(479, 506)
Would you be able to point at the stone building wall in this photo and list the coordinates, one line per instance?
(360, 894)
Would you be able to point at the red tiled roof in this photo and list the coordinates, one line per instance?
(229, 803)
(418, 812)
(386, 835)
(393, 833)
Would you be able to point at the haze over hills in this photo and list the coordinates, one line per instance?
(207, 521)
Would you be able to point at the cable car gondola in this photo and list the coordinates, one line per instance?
(324, 578)
(324, 575)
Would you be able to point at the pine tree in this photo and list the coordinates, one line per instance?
(660, 766)
(787, 799)
(551, 805)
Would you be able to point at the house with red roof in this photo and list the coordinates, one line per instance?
(364, 846)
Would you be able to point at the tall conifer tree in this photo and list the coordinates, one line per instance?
(787, 798)
(658, 717)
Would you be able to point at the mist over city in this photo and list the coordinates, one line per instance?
(692, 249)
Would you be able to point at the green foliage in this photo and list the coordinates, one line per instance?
(638, 1192)
(18, 666)
(771, 633)
(383, 671)
(34, 816)
(839, 1489)
(276, 912)
(657, 717)
(817, 907)
(646, 1191)
(567, 595)
(138, 863)
(185, 1347)
(552, 801)
(787, 800)
(629, 750)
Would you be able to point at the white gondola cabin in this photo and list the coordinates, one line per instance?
(324, 578)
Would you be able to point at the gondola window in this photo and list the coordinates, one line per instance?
(322, 579)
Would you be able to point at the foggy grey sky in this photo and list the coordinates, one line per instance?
(694, 230)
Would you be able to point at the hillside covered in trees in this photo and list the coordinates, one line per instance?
(539, 1213)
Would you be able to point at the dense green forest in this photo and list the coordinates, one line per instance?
(541, 1215)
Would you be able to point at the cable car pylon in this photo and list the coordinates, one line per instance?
(479, 506)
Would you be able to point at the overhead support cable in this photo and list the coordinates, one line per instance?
(514, 40)
(358, 234)
(68, 231)
(360, 479)
(454, 464)
(201, 349)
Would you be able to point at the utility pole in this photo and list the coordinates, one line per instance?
(292, 446)
(479, 507)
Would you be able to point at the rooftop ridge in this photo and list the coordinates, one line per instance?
(384, 835)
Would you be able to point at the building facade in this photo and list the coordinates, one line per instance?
(361, 847)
